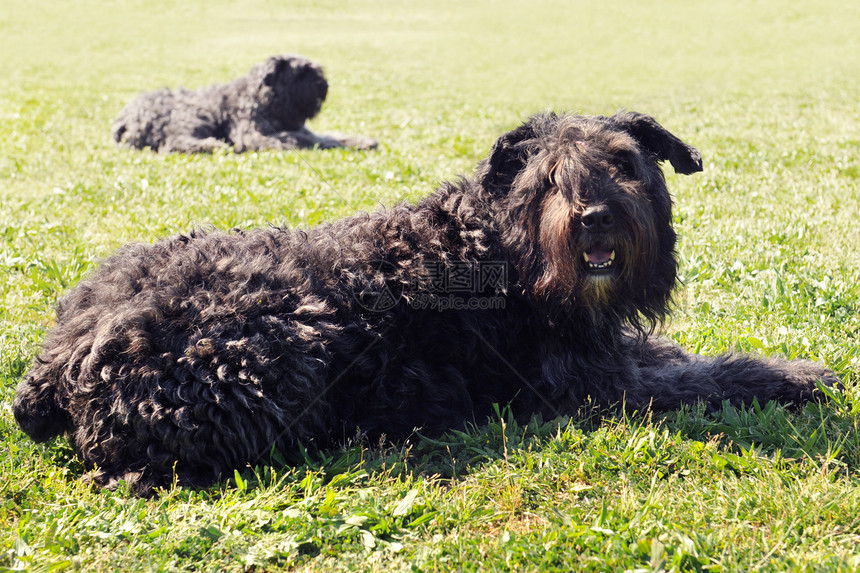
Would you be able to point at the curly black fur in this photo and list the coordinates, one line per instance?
(199, 353)
(267, 109)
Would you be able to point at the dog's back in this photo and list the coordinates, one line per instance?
(142, 122)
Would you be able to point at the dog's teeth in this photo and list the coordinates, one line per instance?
(585, 256)
(604, 265)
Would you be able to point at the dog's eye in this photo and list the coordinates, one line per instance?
(624, 166)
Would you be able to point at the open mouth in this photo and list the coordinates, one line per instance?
(599, 259)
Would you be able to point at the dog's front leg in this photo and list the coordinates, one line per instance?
(300, 139)
(344, 140)
(670, 377)
(191, 144)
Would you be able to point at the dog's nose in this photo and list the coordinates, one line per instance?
(598, 218)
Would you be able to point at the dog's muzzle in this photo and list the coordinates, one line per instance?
(598, 222)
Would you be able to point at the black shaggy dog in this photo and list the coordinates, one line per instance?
(198, 354)
(267, 109)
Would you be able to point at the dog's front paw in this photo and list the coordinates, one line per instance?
(805, 378)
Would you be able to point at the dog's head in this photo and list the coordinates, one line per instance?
(586, 215)
(290, 90)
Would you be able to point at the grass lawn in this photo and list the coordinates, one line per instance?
(770, 257)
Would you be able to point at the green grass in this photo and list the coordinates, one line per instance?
(770, 252)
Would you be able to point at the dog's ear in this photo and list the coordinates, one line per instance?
(509, 154)
(273, 68)
(686, 159)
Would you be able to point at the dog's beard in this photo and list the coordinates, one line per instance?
(597, 298)
(597, 290)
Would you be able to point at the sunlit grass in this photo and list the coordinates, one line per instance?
(769, 250)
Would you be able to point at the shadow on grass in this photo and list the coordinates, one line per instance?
(598, 439)
(822, 433)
